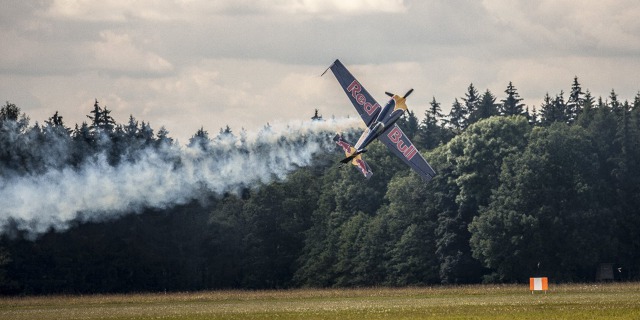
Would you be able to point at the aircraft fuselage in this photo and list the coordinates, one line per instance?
(390, 113)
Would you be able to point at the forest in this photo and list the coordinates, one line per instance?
(549, 191)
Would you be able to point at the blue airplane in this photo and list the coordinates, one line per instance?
(381, 124)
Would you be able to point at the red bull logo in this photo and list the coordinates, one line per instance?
(362, 166)
(406, 148)
(355, 89)
(345, 146)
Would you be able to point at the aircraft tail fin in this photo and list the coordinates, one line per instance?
(353, 156)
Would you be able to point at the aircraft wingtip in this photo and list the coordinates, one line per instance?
(325, 71)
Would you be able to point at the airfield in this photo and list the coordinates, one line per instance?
(567, 301)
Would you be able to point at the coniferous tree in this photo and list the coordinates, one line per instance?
(200, 139)
(589, 99)
(107, 121)
(226, 136)
(82, 132)
(561, 108)
(101, 121)
(83, 143)
(588, 111)
(12, 120)
(554, 110)
(457, 117)
(576, 101)
(227, 130)
(163, 138)
(472, 104)
(55, 124)
(532, 116)
(614, 104)
(511, 105)
(131, 128)
(487, 107)
(547, 112)
(14, 134)
(96, 119)
(55, 142)
(431, 133)
(55, 120)
(145, 134)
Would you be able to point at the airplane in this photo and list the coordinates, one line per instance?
(381, 124)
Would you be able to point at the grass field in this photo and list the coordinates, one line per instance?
(578, 301)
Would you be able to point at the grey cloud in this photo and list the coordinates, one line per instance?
(146, 58)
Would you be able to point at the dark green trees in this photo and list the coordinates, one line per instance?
(474, 160)
(542, 219)
(512, 198)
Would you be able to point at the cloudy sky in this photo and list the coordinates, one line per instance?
(191, 63)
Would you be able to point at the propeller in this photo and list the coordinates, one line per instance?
(405, 95)
(408, 93)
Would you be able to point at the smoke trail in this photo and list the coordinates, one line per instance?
(162, 178)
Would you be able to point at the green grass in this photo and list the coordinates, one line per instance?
(577, 301)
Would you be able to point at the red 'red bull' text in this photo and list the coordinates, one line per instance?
(355, 89)
(407, 149)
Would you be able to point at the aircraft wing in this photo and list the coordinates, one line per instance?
(401, 146)
(364, 103)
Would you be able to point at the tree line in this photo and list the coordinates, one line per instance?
(518, 193)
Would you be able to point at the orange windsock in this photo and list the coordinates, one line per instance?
(538, 284)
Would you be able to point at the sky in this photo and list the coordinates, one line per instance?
(187, 64)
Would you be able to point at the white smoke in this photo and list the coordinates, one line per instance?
(162, 178)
